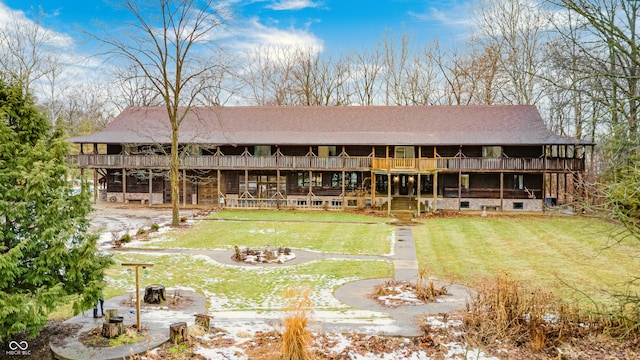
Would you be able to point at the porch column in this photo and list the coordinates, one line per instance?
(418, 187)
(388, 194)
(184, 187)
(95, 185)
(246, 193)
(342, 156)
(343, 175)
(544, 190)
(460, 179)
(418, 191)
(150, 186)
(310, 196)
(501, 191)
(373, 188)
(124, 185)
(218, 185)
(278, 198)
(564, 195)
(557, 188)
(435, 192)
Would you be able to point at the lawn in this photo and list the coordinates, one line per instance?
(297, 215)
(327, 232)
(240, 287)
(556, 253)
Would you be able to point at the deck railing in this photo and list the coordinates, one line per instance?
(225, 162)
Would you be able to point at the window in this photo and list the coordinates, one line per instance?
(350, 180)
(518, 182)
(326, 151)
(491, 151)
(262, 186)
(262, 150)
(464, 204)
(518, 206)
(303, 179)
(404, 152)
(464, 181)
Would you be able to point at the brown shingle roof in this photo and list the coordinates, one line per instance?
(337, 125)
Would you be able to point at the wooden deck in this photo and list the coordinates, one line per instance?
(336, 163)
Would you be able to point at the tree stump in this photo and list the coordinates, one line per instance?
(178, 332)
(109, 313)
(113, 328)
(203, 321)
(154, 294)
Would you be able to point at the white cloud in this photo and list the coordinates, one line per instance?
(16, 20)
(256, 35)
(293, 5)
(452, 16)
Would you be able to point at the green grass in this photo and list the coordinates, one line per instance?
(286, 229)
(557, 253)
(243, 288)
(297, 215)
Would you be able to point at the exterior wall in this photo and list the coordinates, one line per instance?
(491, 204)
(156, 198)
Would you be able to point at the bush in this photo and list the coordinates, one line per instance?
(125, 238)
(155, 227)
(506, 312)
(296, 339)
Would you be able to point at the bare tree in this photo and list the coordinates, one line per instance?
(612, 59)
(268, 75)
(395, 62)
(168, 41)
(26, 51)
(364, 69)
(515, 30)
(133, 88)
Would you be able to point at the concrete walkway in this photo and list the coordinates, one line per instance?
(405, 318)
(401, 320)
(156, 320)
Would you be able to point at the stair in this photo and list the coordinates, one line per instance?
(402, 203)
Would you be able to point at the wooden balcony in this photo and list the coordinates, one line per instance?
(224, 162)
(478, 164)
(235, 162)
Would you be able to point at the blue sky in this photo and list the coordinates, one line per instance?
(333, 26)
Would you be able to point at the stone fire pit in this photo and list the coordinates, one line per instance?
(278, 255)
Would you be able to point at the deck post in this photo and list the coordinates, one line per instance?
(124, 185)
(310, 195)
(184, 188)
(418, 187)
(435, 192)
(501, 191)
(343, 165)
(218, 186)
(95, 185)
(557, 188)
(343, 175)
(564, 195)
(388, 194)
(460, 179)
(150, 186)
(373, 188)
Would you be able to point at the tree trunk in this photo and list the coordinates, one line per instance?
(174, 173)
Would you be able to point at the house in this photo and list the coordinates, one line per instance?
(387, 157)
